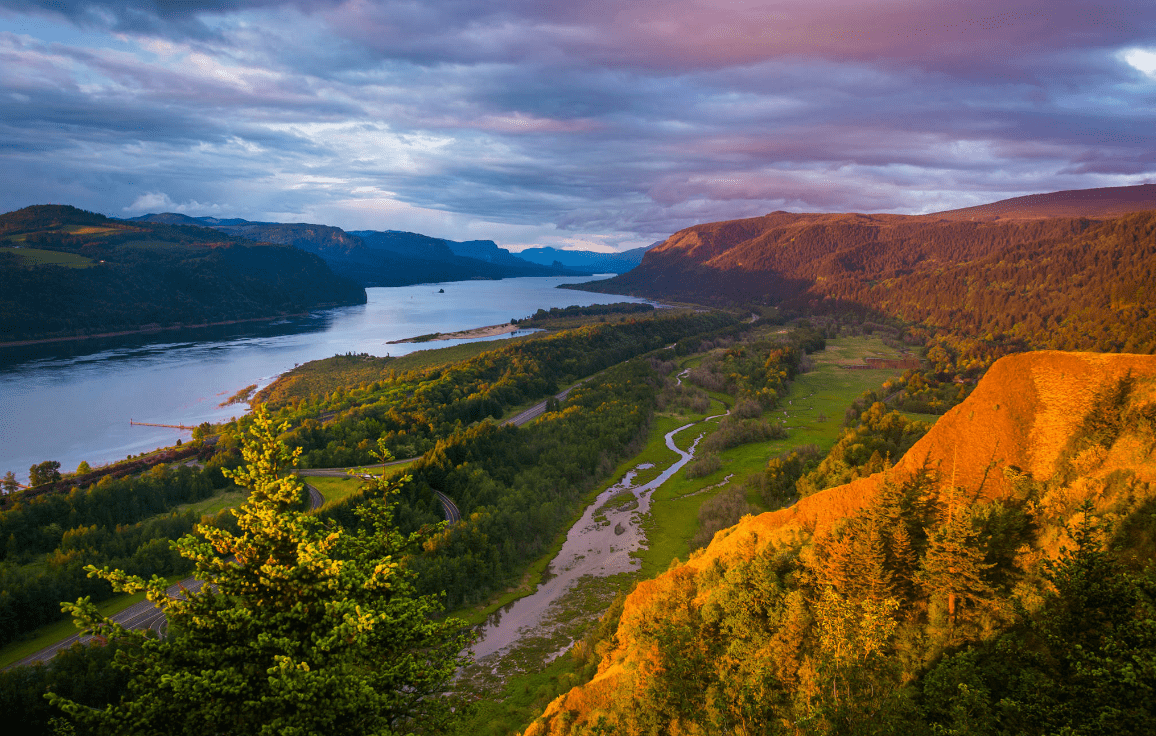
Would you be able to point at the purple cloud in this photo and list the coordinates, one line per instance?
(616, 122)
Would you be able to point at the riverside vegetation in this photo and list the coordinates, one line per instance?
(518, 488)
(945, 535)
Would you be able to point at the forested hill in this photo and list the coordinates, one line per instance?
(1065, 282)
(376, 258)
(1102, 203)
(65, 272)
(997, 580)
(585, 259)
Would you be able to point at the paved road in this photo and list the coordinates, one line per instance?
(145, 615)
(538, 409)
(315, 497)
(453, 515)
(344, 472)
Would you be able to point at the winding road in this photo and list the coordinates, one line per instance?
(146, 615)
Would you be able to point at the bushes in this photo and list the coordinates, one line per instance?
(703, 465)
(721, 512)
(734, 432)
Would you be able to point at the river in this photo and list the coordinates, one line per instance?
(73, 401)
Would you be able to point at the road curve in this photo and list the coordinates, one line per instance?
(145, 615)
(453, 515)
(538, 409)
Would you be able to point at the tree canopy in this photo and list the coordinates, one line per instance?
(299, 627)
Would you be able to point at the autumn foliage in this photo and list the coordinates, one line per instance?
(879, 606)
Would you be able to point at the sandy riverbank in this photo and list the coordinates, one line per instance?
(477, 332)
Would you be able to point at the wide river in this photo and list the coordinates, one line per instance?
(73, 401)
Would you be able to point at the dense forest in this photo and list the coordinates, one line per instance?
(46, 540)
(65, 272)
(989, 574)
(374, 258)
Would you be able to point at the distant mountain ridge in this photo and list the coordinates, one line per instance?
(586, 259)
(381, 258)
(1102, 203)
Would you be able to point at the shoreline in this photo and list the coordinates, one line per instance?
(151, 330)
(475, 333)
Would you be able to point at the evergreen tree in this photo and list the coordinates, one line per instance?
(298, 628)
(953, 566)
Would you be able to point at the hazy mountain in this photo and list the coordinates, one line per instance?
(587, 259)
(380, 258)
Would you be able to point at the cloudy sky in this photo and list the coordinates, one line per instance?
(577, 123)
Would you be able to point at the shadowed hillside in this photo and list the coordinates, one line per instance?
(838, 611)
(66, 272)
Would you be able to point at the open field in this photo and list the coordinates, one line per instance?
(229, 498)
(50, 634)
(41, 257)
(813, 411)
(336, 489)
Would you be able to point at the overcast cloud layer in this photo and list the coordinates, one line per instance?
(577, 123)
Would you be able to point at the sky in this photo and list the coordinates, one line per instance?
(578, 124)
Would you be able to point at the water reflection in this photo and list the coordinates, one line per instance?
(72, 401)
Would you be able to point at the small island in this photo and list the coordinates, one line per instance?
(477, 332)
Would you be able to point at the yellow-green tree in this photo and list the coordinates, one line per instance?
(299, 628)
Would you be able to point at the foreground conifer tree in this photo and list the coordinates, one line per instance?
(300, 628)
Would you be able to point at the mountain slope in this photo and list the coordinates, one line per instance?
(1103, 203)
(65, 272)
(748, 631)
(1061, 282)
(374, 258)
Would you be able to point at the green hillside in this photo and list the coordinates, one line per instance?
(67, 273)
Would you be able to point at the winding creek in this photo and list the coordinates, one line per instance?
(592, 548)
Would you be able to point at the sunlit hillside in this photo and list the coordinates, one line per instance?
(841, 610)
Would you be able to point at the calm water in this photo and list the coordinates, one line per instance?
(73, 401)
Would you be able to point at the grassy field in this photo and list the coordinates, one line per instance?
(41, 257)
(230, 498)
(422, 359)
(48, 635)
(813, 411)
(335, 489)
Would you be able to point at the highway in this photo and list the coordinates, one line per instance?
(453, 515)
(145, 615)
(538, 409)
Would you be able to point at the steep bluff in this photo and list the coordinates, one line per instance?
(1028, 415)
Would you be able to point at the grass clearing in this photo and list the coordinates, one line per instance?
(813, 410)
(929, 418)
(41, 257)
(335, 489)
(229, 499)
(434, 357)
(54, 633)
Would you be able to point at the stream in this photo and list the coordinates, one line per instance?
(592, 548)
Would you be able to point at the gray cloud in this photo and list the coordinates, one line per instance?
(605, 120)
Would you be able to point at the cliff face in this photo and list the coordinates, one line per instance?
(1027, 416)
